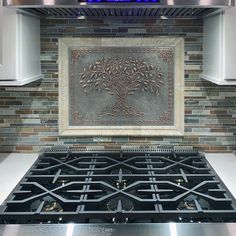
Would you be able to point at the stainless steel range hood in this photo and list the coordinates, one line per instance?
(120, 8)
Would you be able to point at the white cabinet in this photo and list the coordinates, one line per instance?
(0, 32)
(219, 48)
(20, 48)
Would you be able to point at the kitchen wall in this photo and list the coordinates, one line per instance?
(29, 114)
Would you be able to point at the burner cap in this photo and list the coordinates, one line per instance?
(179, 181)
(186, 205)
(124, 171)
(52, 207)
(126, 204)
(189, 203)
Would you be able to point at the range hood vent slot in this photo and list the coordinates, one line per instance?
(164, 13)
(163, 9)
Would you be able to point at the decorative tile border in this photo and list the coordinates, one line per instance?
(156, 44)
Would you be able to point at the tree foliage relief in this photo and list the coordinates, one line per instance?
(121, 77)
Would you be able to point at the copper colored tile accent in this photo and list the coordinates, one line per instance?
(39, 94)
(219, 129)
(217, 112)
(52, 94)
(188, 111)
(195, 57)
(49, 139)
(204, 84)
(8, 98)
(27, 134)
(49, 47)
(137, 139)
(70, 29)
(54, 112)
(190, 40)
(42, 129)
(189, 84)
(25, 130)
(24, 148)
(202, 147)
(218, 148)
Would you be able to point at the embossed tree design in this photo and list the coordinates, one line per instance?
(121, 77)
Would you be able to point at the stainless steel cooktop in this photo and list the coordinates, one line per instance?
(156, 186)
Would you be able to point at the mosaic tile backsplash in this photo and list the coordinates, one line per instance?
(29, 114)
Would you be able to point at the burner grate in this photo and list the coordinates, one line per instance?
(119, 187)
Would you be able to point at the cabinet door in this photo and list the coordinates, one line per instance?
(229, 44)
(8, 69)
(29, 47)
(213, 47)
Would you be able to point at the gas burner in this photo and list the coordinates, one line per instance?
(189, 203)
(186, 205)
(109, 187)
(62, 182)
(123, 202)
(121, 220)
(52, 207)
(179, 181)
(121, 184)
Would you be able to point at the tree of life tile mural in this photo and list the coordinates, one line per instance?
(121, 86)
(117, 86)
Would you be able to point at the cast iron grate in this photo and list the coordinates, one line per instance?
(119, 187)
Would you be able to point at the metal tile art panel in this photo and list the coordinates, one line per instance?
(121, 86)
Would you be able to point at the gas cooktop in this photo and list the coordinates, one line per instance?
(119, 187)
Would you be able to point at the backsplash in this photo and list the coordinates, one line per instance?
(29, 114)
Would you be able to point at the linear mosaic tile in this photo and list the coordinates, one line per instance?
(29, 114)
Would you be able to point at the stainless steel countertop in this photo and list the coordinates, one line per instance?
(167, 229)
